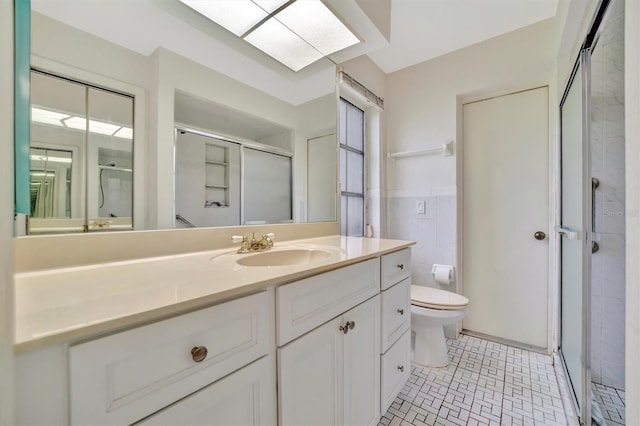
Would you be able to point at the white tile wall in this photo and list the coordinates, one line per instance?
(607, 164)
(434, 231)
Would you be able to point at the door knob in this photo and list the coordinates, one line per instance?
(539, 235)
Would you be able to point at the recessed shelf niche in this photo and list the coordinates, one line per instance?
(216, 176)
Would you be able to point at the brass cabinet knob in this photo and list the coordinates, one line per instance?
(349, 325)
(401, 368)
(199, 353)
(400, 266)
(400, 311)
(539, 235)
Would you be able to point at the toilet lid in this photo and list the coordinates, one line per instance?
(428, 297)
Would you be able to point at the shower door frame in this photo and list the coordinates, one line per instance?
(582, 65)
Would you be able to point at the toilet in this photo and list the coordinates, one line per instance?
(431, 310)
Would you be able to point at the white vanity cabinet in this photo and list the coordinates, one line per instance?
(330, 373)
(395, 350)
(329, 376)
(125, 377)
(329, 349)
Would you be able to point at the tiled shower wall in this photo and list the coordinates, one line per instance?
(607, 162)
(434, 230)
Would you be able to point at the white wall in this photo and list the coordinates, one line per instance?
(422, 111)
(6, 215)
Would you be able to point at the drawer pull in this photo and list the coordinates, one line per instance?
(349, 325)
(400, 311)
(400, 266)
(401, 368)
(199, 353)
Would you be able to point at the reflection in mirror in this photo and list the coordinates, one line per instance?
(207, 181)
(210, 172)
(184, 72)
(81, 171)
(50, 183)
(267, 187)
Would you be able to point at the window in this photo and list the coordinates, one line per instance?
(351, 169)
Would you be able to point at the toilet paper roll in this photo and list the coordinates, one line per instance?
(442, 274)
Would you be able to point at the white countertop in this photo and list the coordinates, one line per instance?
(59, 305)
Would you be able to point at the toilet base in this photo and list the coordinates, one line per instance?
(430, 347)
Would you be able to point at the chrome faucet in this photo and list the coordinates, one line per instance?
(253, 245)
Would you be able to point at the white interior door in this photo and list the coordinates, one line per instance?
(505, 208)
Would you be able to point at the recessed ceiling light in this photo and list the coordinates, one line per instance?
(125, 133)
(47, 117)
(237, 16)
(50, 159)
(294, 32)
(312, 21)
(98, 127)
(282, 44)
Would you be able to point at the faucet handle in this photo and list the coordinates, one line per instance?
(238, 238)
(270, 235)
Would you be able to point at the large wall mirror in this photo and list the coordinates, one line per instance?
(145, 115)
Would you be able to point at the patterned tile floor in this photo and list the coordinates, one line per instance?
(611, 402)
(485, 383)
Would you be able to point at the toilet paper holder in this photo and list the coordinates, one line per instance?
(443, 274)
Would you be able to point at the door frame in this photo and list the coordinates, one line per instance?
(553, 153)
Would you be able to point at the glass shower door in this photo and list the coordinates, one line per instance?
(575, 238)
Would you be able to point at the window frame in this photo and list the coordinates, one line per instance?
(346, 195)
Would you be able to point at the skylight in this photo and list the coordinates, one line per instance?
(294, 32)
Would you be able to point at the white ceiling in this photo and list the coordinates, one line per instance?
(420, 30)
(425, 29)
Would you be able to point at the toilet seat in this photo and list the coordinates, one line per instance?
(433, 298)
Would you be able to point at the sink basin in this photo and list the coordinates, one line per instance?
(286, 257)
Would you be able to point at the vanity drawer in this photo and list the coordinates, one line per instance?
(396, 368)
(246, 397)
(396, 312)
(395, 267)
(120, 379)
(308, 303)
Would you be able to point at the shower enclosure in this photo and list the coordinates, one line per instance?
(592, 269)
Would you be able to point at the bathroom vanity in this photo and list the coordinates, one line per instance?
(217, 337)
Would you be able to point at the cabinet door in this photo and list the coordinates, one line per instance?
(246, 397)
(310, 377)
(362, 364)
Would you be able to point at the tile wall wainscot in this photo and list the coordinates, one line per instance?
(607, 162)
(434, 232)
